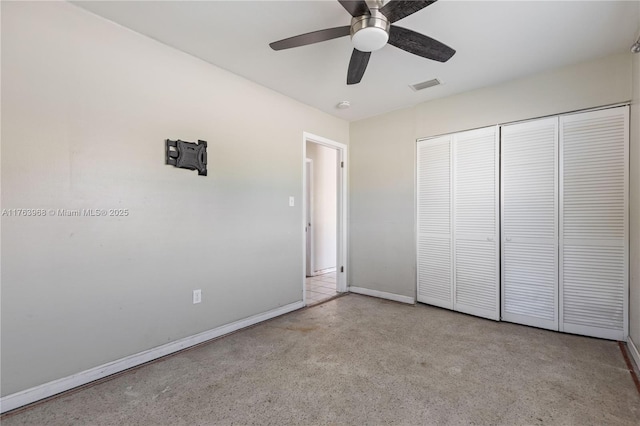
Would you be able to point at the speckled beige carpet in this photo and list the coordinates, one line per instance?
(359, 360)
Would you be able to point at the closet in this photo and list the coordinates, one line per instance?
(458, 205)
(551, 250)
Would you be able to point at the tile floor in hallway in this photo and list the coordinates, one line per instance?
(320, 288)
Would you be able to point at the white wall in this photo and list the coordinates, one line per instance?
(325, 206)
(382, 157)
(86, 107)
(634, 208)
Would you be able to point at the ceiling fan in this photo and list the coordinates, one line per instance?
(371, 30)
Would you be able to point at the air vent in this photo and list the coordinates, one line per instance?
(425, 84)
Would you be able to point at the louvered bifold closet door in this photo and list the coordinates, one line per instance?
(529, 176)
(434, 222)
(475, 191)
(594, 223)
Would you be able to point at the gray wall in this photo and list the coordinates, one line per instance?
(382, 157)
(634, 204)
(381, 203)
(86, 106)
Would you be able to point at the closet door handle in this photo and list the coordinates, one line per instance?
(508, 238)
(489, 238)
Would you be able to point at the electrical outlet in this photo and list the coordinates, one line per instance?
(197, 296)
(292, 201)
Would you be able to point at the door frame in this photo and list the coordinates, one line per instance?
(341, 220)
(308, 219)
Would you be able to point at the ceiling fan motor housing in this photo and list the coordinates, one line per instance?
(370, 32)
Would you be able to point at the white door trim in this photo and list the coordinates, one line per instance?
(341, 266)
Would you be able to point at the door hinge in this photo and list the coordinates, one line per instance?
(342, 269)
(342, 164)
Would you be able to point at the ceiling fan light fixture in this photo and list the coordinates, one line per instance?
(370, 32)
(370, 39)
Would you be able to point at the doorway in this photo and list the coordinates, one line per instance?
(324, 217)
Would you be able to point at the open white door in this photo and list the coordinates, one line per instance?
(310, 267)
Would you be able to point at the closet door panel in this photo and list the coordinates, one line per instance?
(530, 279)
(593, 290)
(529, 223)
(475, 212)
(434, 222)
(594, 223)
(434, 272)
(476, 280)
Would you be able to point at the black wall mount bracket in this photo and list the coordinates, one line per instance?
(187, 155)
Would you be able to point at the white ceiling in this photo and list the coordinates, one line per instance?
(495, 41)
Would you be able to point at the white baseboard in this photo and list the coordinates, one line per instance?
(633, 349)
(19, 399)
(382, 295)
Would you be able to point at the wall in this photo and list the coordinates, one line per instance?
(382, 157)
(86, 107)
(325, 211)
(634, 208)
(381, 204)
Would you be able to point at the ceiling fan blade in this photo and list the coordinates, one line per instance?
(357, 66)
(355, 7)
(419, 44)
(395, 10)
(310, 38)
